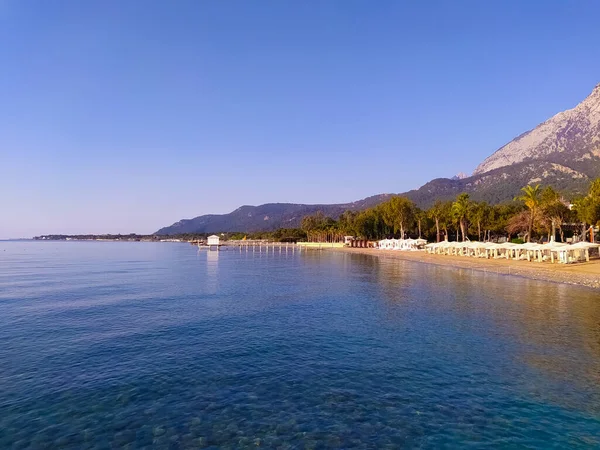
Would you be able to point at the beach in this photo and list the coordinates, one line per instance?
(582, 274)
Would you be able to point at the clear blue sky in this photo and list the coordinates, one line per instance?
(113, 111)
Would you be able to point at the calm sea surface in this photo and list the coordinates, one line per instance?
(140, 345)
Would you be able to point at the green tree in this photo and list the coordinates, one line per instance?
(480, 216)
(398, 214)
(531, 197)
(594, 191)
(421, 219)
(588, 207)
(554, 212)
(440, 213)
(518, 223)
(369, 224)
(500, 215)
(346, 222)
(319, 227)
(461, 209)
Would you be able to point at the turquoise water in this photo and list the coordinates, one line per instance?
(141, 345)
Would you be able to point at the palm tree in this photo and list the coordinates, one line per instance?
(440, 212)
(434, 213)
(531, 198)
(461, 209)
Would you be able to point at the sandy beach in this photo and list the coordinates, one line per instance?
(583, 274)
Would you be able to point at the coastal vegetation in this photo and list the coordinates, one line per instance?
(280, 235)
(132, 237)
(537, 214)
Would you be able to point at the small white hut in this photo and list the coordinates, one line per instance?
(213, 242)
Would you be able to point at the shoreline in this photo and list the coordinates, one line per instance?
(586, 274)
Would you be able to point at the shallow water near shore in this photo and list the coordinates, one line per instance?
(157, 345)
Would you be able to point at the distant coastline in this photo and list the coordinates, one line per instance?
(280, 235)
(117, 237)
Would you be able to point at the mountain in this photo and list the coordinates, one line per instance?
(460, 176)
(570, 137)
(265, 217)
(564, 152)
(503, 184)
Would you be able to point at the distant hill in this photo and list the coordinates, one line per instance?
(563, 151)
(504, 183)
(264, 217)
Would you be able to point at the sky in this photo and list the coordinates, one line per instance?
(122, 116)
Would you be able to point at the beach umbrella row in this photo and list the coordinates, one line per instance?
(553, 251)
(402, 244)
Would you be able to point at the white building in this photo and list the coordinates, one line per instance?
(213, 241)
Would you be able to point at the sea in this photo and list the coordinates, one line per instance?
(114, 345)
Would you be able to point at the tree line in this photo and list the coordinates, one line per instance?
(279, 235)
(537, 214)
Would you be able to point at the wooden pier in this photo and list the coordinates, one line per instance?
(267, 246)
(252, 246)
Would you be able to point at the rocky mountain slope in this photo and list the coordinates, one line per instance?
(563, 152)
(503, 184)
(569, 136)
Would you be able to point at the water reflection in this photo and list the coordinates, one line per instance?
(549, 327)
(290, 351)
(212, 271)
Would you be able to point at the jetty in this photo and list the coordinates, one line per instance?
(249, 246)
